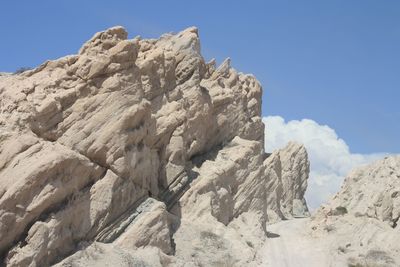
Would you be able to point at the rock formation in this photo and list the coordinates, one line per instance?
(287, 172)
(139, 152)
(361, 221)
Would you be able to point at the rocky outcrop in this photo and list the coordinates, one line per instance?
(139, 152)
(287, 170)
(362, 219)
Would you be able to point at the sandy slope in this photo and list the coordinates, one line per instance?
(289, 245)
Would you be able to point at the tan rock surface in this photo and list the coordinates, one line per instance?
(139, 152)
(287, 170)
(361, 220)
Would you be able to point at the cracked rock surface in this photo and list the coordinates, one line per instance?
(137, 152)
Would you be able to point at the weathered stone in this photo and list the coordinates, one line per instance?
(144, 146)
(287, 170)
(365, 212)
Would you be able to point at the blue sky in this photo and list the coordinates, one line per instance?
(336, 62)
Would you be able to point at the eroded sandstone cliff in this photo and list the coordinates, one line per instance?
(139, 152)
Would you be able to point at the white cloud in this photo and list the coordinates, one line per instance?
(329, 156)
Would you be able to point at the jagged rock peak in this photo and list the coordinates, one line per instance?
(137, 151)
(105, 40)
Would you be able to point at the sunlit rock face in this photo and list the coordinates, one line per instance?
(362, 219)
(139, 152)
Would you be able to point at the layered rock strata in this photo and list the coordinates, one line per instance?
(135, 148)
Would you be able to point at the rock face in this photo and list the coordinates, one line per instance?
(287, 170)
(362, 219)
(139, 152)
